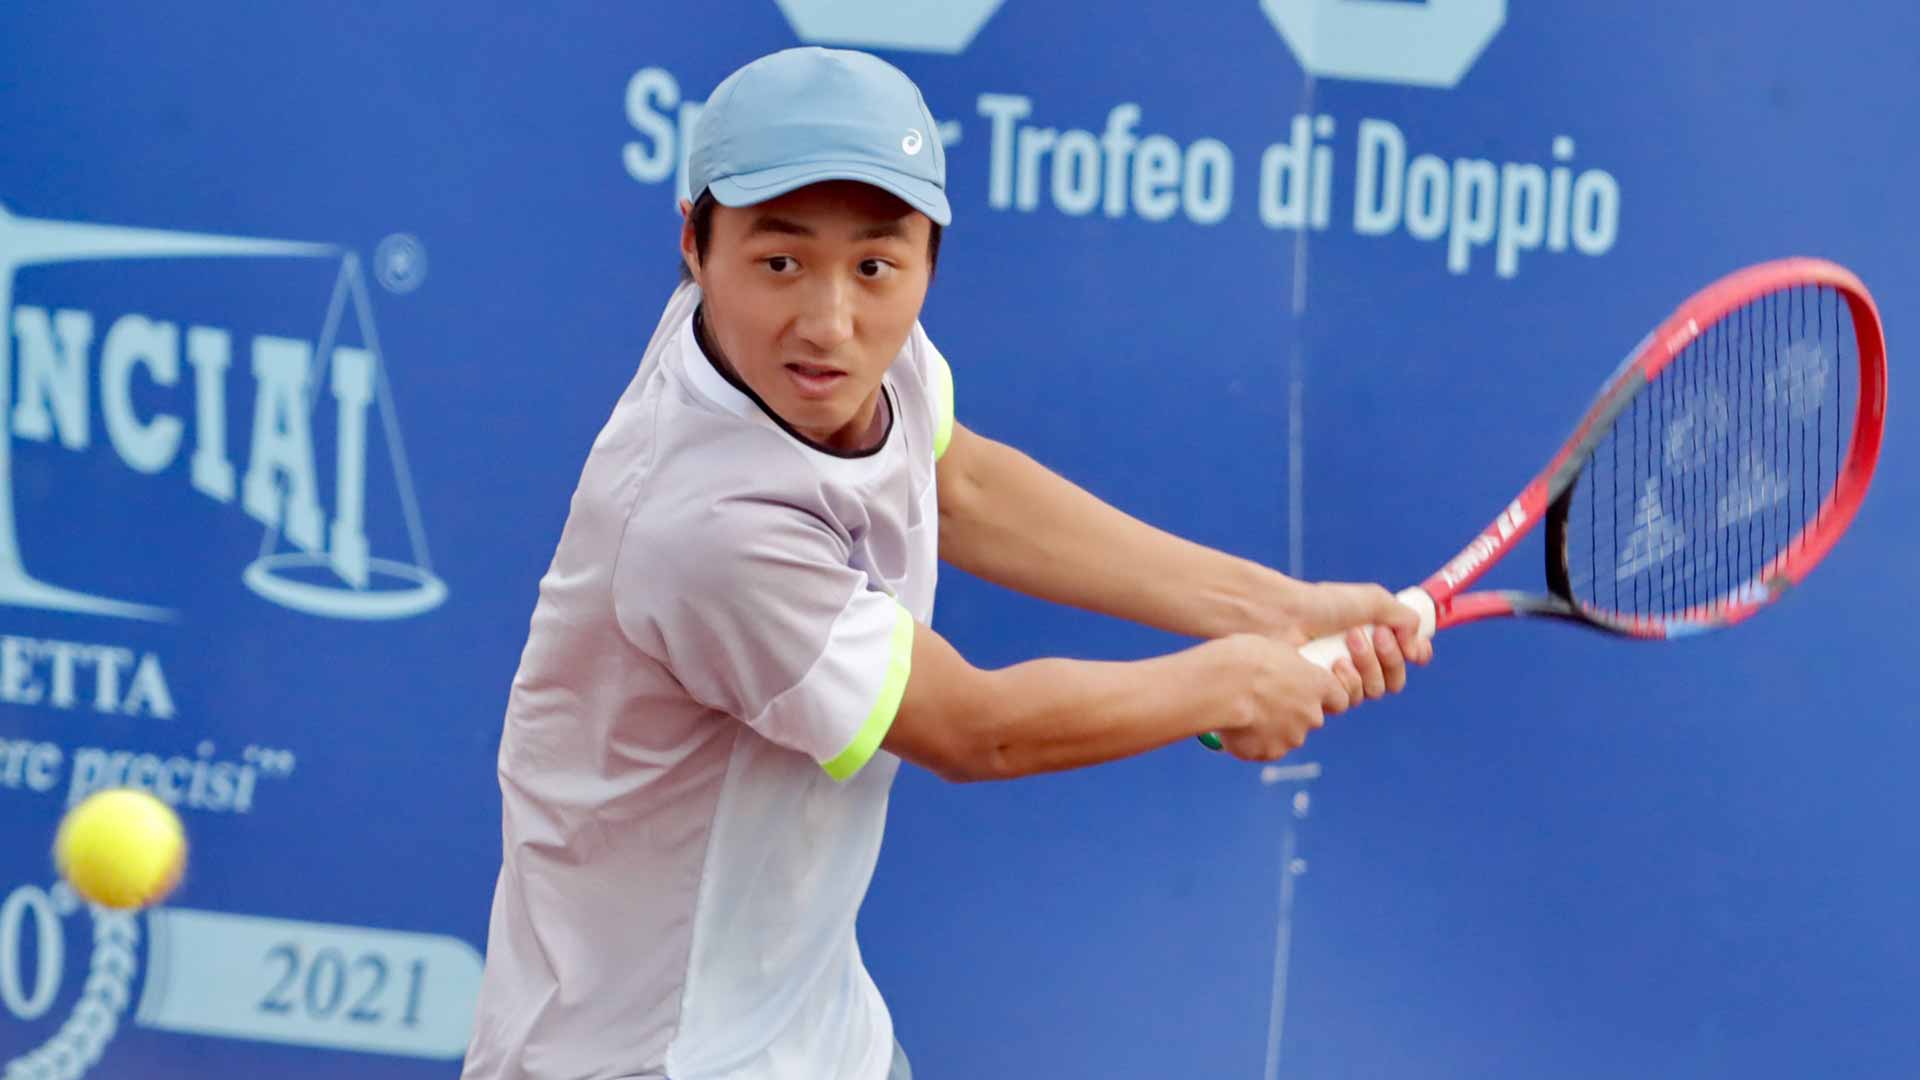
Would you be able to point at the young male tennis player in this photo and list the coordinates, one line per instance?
(730, 654)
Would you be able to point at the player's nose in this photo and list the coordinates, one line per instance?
(826, 320)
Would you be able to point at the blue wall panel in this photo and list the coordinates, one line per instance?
(439, 242)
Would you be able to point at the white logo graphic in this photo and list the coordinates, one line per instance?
(1389, 41)
(110, 969)
(1800, 382)
(279, 486)
(400, 263)
(1484, 545)
(911, 144)
(934, 26)
(365, 989)
(1655, 537)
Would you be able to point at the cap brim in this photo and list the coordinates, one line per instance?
(750, 189)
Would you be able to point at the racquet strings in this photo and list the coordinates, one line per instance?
(1718, 466)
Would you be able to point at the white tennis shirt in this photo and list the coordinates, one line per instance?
(692, 788)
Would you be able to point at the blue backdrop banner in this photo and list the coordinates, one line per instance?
(309, 314)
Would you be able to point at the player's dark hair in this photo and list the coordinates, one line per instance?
(702, 217)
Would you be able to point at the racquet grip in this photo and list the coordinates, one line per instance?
(1324, 652)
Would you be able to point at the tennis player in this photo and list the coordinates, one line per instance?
(730, 654)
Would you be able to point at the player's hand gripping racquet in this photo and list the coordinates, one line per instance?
(1716, 467)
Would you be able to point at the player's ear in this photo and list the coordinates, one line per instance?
(689, 247)
(686, 209)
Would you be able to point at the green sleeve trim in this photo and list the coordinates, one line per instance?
(880, 718)
(942, 405)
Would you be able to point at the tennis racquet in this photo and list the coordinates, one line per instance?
(1713, 471)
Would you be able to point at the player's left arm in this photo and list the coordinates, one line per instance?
(1013, 521)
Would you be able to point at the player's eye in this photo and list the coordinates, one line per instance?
(781, 264)
(875, 269)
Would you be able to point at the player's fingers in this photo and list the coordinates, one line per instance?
(1393, 663)
(1334, 697)
(1268, 747)
(1423, 651)
(1348, 672)
(1414, 648)
(1385, 609)
(1366, 660)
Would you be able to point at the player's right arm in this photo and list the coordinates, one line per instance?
(965, 723)
(762, 618)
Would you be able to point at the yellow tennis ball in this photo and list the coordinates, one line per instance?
(121, 848)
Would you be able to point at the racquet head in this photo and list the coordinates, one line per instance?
(1714, 470)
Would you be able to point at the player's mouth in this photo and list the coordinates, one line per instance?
(815, 381)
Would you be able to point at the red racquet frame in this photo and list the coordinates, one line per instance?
(1543, 499)
(1453, 606)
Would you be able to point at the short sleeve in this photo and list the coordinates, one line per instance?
(940, 393)
(751, 604)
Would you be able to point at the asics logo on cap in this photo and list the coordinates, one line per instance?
(912, 143)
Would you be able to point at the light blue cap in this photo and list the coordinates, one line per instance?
(801, 116)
